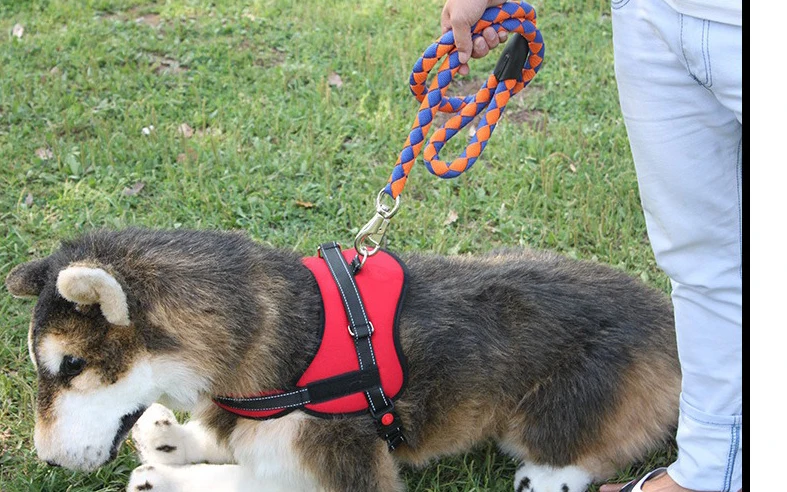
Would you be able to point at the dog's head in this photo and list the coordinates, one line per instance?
(126, 318)
(95, 373)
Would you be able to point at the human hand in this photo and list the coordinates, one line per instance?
(459, 16)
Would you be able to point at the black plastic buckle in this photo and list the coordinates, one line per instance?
(512, 61)
(389, 427)
(356, 264)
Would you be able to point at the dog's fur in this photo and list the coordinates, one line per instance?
(571, 367)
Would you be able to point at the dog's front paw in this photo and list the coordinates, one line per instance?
(150, 478)
(159, 438)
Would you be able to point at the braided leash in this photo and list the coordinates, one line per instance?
(507, 80)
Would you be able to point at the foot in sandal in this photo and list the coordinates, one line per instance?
(654, 481)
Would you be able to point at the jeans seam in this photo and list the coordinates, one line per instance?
(739, 177)
(734, 437)
(706, 53)
(736, 421)
(686, 58)
(682, 49)
(715, 424)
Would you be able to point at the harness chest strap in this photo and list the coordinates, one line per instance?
(329, 386)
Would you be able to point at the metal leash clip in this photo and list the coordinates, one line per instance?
(370, 237)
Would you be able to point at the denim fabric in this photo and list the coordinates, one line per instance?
(679, 79)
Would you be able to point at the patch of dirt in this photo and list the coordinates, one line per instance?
(272, 57)
(165, 65)
(110, 16)
(152, 20)
(517, 113)
(465, 86)
(537, 120)
(79, 131)
(135, 14)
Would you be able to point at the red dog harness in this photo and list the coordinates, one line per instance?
(359, 364)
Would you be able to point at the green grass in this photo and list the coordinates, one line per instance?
(282, 153)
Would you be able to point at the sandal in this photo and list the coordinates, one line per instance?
(636, 485)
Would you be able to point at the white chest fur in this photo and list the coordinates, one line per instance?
(267, 448)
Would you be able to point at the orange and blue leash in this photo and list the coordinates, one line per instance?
(519, 63)
(512, 17)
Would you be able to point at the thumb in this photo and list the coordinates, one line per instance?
(445, 19)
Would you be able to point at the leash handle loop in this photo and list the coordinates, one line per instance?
(513, 17)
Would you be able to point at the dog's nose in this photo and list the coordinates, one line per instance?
(51, 463)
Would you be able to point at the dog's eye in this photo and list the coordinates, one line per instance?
(71, 366)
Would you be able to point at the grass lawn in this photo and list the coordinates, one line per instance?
(295, 114)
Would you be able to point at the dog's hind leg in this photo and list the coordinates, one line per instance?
(531, 477)
(583, 428)
(159, 438)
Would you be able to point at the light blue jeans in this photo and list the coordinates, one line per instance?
(679, 79)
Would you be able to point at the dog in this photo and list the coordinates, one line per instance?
(570, 367)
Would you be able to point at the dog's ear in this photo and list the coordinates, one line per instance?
(28, 279)
(90, 285)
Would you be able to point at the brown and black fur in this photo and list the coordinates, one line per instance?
(562, 362)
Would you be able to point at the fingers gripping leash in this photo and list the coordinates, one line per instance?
(519, 63)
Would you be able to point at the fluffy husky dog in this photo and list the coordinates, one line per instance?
(569, 366)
